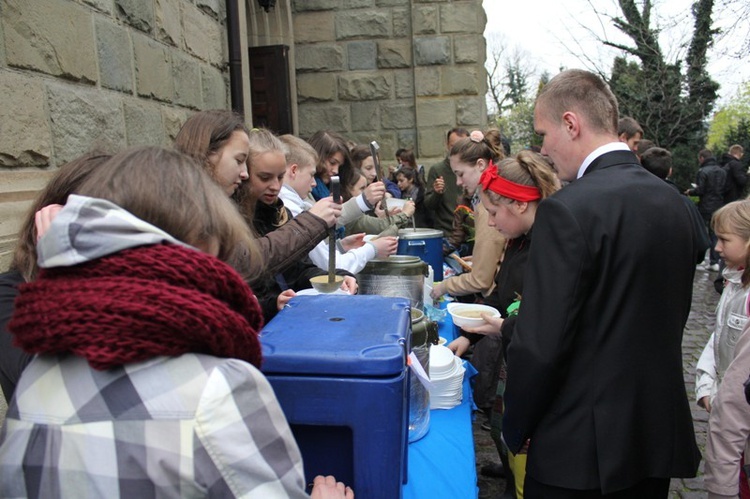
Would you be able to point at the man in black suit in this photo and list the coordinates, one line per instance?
(595, 383)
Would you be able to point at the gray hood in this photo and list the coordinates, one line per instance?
(90, 228)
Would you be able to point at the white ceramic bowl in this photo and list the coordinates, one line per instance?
(469, 314)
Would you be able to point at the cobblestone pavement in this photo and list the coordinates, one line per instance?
(700, 323)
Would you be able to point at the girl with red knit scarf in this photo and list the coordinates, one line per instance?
(146, 378)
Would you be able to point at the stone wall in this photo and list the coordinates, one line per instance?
(402, 72)
(77, 74)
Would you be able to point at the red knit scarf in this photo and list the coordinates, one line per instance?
(138, 304)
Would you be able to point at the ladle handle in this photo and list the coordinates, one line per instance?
(336, 189)
(375, 151)
(336, 192)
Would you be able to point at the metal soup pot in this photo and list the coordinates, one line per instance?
(427, 244)
(396, 276)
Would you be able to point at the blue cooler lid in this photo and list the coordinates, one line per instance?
(337, 335)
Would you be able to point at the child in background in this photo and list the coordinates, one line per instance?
(362, 160)
(409, 184)
(731, 224)
(406, 158)
(411, 188)
(374, 222)
(399, 163)
(333, 153)
(298, 181)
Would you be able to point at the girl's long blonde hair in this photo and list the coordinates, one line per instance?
(262, 141)
(734, 218)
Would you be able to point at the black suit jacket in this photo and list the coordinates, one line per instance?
(595, 375)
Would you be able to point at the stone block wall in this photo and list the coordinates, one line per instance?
(401, 72)
(77, 74)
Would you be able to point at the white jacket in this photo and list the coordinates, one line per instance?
(731, 316)
(352, 260)
(729, 426)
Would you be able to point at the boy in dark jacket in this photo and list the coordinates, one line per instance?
(710, 188)
(736, 174)
(659, 162)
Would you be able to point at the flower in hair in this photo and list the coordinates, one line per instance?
(476, 136)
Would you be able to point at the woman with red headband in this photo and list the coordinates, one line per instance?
(511, 192)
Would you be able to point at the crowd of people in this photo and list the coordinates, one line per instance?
(131, 312)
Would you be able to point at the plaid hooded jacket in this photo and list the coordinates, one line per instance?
(187, 426)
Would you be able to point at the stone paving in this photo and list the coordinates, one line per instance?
(697, 331)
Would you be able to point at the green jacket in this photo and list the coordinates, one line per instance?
(441, 206)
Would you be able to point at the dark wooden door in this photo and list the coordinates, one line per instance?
(269, 88)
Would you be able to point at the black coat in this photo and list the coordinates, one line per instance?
(595, 376)
(508, 283)
(710, 187)
(700, 231)
(736, 178)
(13, 360)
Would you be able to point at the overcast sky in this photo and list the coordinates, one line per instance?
(550, 32)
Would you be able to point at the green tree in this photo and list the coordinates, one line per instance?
(727, 119)
(740, 134)
(518, 84)
(517, 122)
(509, 93)
(670, 99)
(508, 76)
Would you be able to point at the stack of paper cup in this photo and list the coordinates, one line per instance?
(446, 378)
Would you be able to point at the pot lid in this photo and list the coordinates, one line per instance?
(396, 265)
(419, 233)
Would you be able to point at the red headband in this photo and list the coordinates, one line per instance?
(490, 180)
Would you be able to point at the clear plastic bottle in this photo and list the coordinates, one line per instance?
(424, 334)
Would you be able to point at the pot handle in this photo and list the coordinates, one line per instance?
(418, 243)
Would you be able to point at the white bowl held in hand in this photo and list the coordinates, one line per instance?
(394, 203)
(469, 314)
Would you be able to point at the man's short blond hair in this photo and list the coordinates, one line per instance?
(584, 93)
(736, 150)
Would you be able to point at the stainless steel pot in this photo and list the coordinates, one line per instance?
(397, 276)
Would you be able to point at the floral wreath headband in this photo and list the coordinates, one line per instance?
(491, 181)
